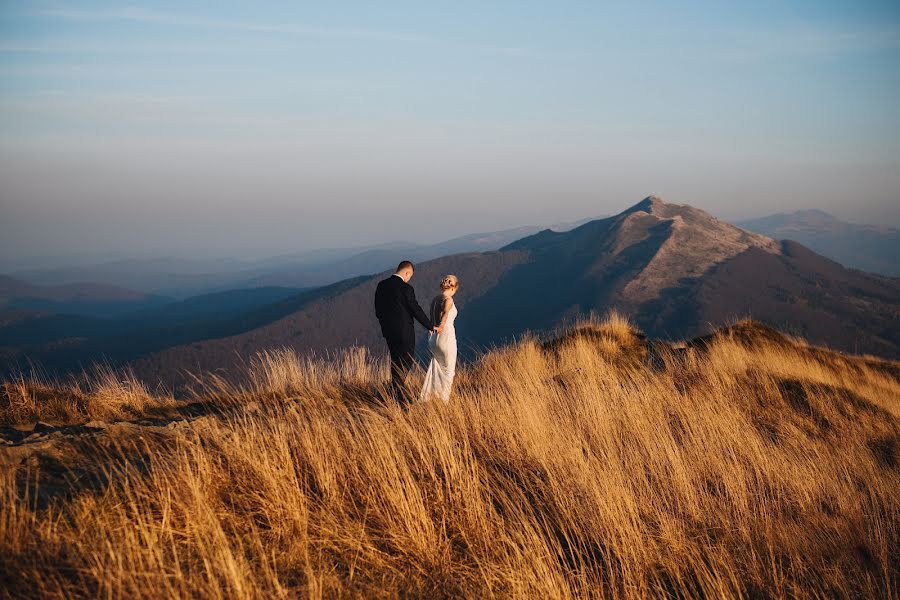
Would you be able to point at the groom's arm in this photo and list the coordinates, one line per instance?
(413, 305)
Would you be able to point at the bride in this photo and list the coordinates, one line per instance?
(439, 378)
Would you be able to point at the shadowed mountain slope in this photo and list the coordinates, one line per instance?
(797, 291)
(66, 343)
(675, 270)
(329, 322)
(26, 330)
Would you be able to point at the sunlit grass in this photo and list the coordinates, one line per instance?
(594, 466)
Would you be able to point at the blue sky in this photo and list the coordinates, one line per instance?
(250, 128)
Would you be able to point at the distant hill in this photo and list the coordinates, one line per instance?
(62, 342)
(216, 305)
(675, 270)
(183, 278)
(376, 259)
(867, 247)
(87, 299)
(177, 277)
(61, 336)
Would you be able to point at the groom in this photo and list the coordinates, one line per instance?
(395, 307)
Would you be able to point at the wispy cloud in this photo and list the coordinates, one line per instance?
(519, 52)
(142, 15)
(92, 47)
(814, 41)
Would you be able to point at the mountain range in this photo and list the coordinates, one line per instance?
(66, 327)
(63, 343)
(181, 278)
(870, 248)
(674, 269)
(80, 298)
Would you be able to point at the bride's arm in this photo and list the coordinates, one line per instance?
(445, 312)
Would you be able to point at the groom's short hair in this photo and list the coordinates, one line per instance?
(405, 264)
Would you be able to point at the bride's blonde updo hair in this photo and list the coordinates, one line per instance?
(449, 282)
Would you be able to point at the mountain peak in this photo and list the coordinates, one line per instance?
(659, 208)
(687, 242)
(648, 204)
(665, 244)
(665, 211)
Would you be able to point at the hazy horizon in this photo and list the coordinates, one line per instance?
(9, 265)
(227, 130)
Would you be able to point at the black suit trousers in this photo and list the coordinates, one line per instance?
(402, 351)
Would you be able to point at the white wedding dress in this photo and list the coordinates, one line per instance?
(442, 368)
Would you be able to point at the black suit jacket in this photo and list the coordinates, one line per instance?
(395, 307)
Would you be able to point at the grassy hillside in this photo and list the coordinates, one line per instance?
(744, 464)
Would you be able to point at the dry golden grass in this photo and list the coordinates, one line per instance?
(102, 394)
(599, 465)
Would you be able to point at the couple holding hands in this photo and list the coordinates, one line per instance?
(396, 307)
